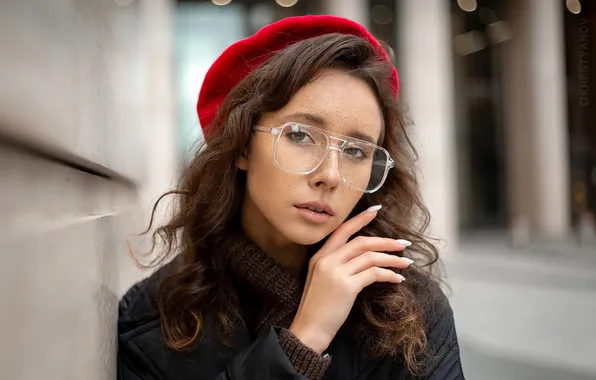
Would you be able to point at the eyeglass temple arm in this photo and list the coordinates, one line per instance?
(260, 128)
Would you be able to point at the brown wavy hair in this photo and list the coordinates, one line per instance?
(211, 188)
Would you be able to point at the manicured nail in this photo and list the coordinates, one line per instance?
(405, 243)
(374, 208)
(401, 277)
(407, 260)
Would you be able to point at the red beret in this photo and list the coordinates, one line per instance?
(242, 57)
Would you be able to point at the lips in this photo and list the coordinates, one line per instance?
(316, 209)
(319, 207)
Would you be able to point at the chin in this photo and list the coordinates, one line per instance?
(306, 236)
(307, 239)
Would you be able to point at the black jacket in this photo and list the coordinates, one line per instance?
(143, 355)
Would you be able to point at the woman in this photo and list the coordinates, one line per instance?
(286, 266)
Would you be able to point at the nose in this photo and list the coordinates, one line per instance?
(327, 174)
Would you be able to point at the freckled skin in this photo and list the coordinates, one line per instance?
(346, 103)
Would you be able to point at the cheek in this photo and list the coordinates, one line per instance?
(348, 200)
(265, 179)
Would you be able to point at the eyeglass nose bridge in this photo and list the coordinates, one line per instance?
(337, 147)
(341, 143)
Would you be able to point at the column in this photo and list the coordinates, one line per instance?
(426, 74)
(536, 119)
(356, 10)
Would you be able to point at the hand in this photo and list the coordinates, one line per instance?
(337, 273)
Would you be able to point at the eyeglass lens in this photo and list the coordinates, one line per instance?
(301, 149)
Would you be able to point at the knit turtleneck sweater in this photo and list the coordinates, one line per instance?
(270, 295)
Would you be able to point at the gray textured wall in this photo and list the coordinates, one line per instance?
(87, 140)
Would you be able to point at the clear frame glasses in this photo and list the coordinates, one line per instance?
(301, 149)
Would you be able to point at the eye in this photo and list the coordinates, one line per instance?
(300, 136)
(355, 152)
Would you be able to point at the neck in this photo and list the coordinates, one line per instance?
(257, 228)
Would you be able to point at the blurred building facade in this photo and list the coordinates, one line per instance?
(87, 141)
(499, 91)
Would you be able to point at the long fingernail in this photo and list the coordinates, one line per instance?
(401, 277)
(405, 243)
(374, 208)
(407, 260)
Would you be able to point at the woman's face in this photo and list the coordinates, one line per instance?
(276, 201)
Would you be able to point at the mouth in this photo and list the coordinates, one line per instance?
(318, 207)
(313, 215)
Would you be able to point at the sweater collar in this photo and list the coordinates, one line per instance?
(271, 292)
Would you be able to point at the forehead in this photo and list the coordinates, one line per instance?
(340, 103)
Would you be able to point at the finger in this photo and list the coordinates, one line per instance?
(341, 235)
(362, 244)
(371, 259)
(376, 274)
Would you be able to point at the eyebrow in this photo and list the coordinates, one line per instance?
(319, 121)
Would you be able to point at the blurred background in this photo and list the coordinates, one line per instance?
(97, 116)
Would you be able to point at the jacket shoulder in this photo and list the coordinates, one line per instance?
(436, 308)
(139, 304)
(431, 297)
(143, 352)
(441, 334)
